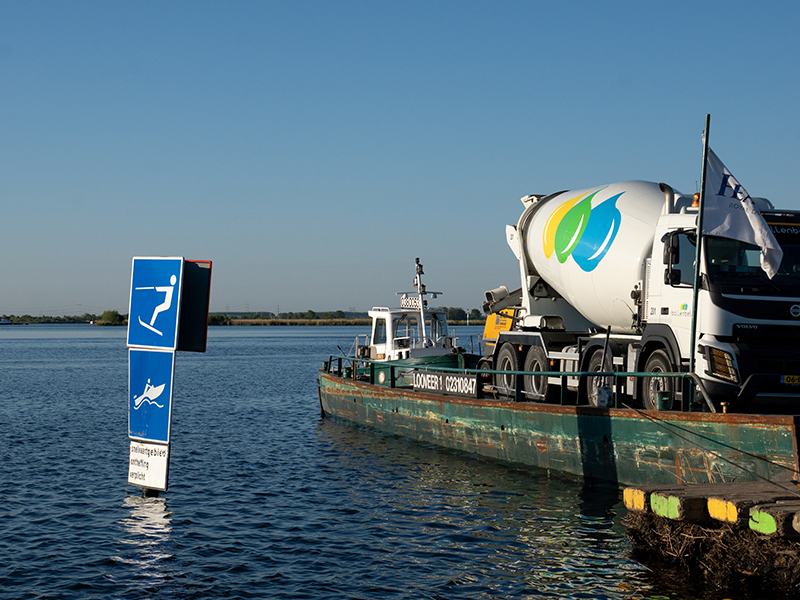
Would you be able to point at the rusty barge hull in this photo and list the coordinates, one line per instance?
(620, 446)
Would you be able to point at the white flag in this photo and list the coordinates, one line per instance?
(729, 212)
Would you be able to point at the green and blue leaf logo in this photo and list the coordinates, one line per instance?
(581, 231)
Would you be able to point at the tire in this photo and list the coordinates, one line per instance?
(484, 364)
(658, 362)
(507, 360)
(593, 384)
(536, 360)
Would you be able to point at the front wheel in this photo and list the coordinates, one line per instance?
(658, 392)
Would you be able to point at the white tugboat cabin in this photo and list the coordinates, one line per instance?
(410, 332)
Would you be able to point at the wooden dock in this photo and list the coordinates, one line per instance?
(726, 533)
(769, 508)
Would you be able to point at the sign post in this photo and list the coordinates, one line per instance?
(162, 319)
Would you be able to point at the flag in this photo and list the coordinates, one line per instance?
(729, 212)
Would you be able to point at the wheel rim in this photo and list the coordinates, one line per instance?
(656, 385)
(506, 379)
(593, 382)
(535, 383)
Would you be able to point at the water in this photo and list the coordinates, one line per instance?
(266, 500)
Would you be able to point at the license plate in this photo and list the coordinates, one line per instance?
(790, 379)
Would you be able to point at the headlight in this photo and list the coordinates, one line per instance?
(721, 364)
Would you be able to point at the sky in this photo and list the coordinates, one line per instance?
(313, 149)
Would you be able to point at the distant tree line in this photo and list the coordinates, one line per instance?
(29, 319)
(454, 314)
(226, 318)
(459, 314)
(113, 317)
(109, 317)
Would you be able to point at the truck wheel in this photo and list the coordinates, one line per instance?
(594, 384)
(657, 362)
(536, 360)
(507, 360)
(484, 364)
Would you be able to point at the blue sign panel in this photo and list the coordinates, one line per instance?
(150, 375)
(155, 302)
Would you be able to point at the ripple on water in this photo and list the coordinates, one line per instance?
(266, 500)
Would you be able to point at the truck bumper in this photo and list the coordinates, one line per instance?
(754, 385)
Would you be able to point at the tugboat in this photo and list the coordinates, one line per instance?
(412, 334)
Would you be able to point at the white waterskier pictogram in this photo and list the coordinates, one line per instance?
(151, 392)
(167, 290)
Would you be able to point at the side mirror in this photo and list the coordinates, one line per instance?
(672, 276)
(672, 253)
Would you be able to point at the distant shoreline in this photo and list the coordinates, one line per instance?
(292, 322)
(249, 323)
(316, 322)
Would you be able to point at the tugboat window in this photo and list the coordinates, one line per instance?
(436, 328)
(379, 334)
(405, 328)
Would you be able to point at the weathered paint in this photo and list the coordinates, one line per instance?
(762, 522)
(767, 507)
(634, 499)
(666, 505)
(723, 510)
(617, 445)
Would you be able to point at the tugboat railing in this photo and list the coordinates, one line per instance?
(348, 368)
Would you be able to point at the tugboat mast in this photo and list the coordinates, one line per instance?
(419, 302)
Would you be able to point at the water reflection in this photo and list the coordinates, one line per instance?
(149, 524)
(500, 531)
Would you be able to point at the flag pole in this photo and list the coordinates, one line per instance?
(696, 290)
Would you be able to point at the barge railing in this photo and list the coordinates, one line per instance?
(348, 368)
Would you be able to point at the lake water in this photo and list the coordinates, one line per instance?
(266, 499)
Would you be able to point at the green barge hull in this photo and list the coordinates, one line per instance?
(616, 445)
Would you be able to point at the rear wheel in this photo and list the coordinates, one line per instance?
(536, 360)
(596, 385)
(485, 364)
(507, 360)
(658, 362)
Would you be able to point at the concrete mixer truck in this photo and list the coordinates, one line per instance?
(607, 285)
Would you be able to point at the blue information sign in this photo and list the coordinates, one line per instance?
(155, 302)
(150, 394)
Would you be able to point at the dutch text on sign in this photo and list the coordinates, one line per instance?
(148, 465)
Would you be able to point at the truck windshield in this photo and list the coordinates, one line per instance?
(732, 263)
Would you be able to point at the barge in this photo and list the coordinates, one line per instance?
(414, 381)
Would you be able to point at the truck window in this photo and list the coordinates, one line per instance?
(688, 250)
(686, 258)
(732, 264)
(732, 256)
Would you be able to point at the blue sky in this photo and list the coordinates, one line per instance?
(312, 150)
